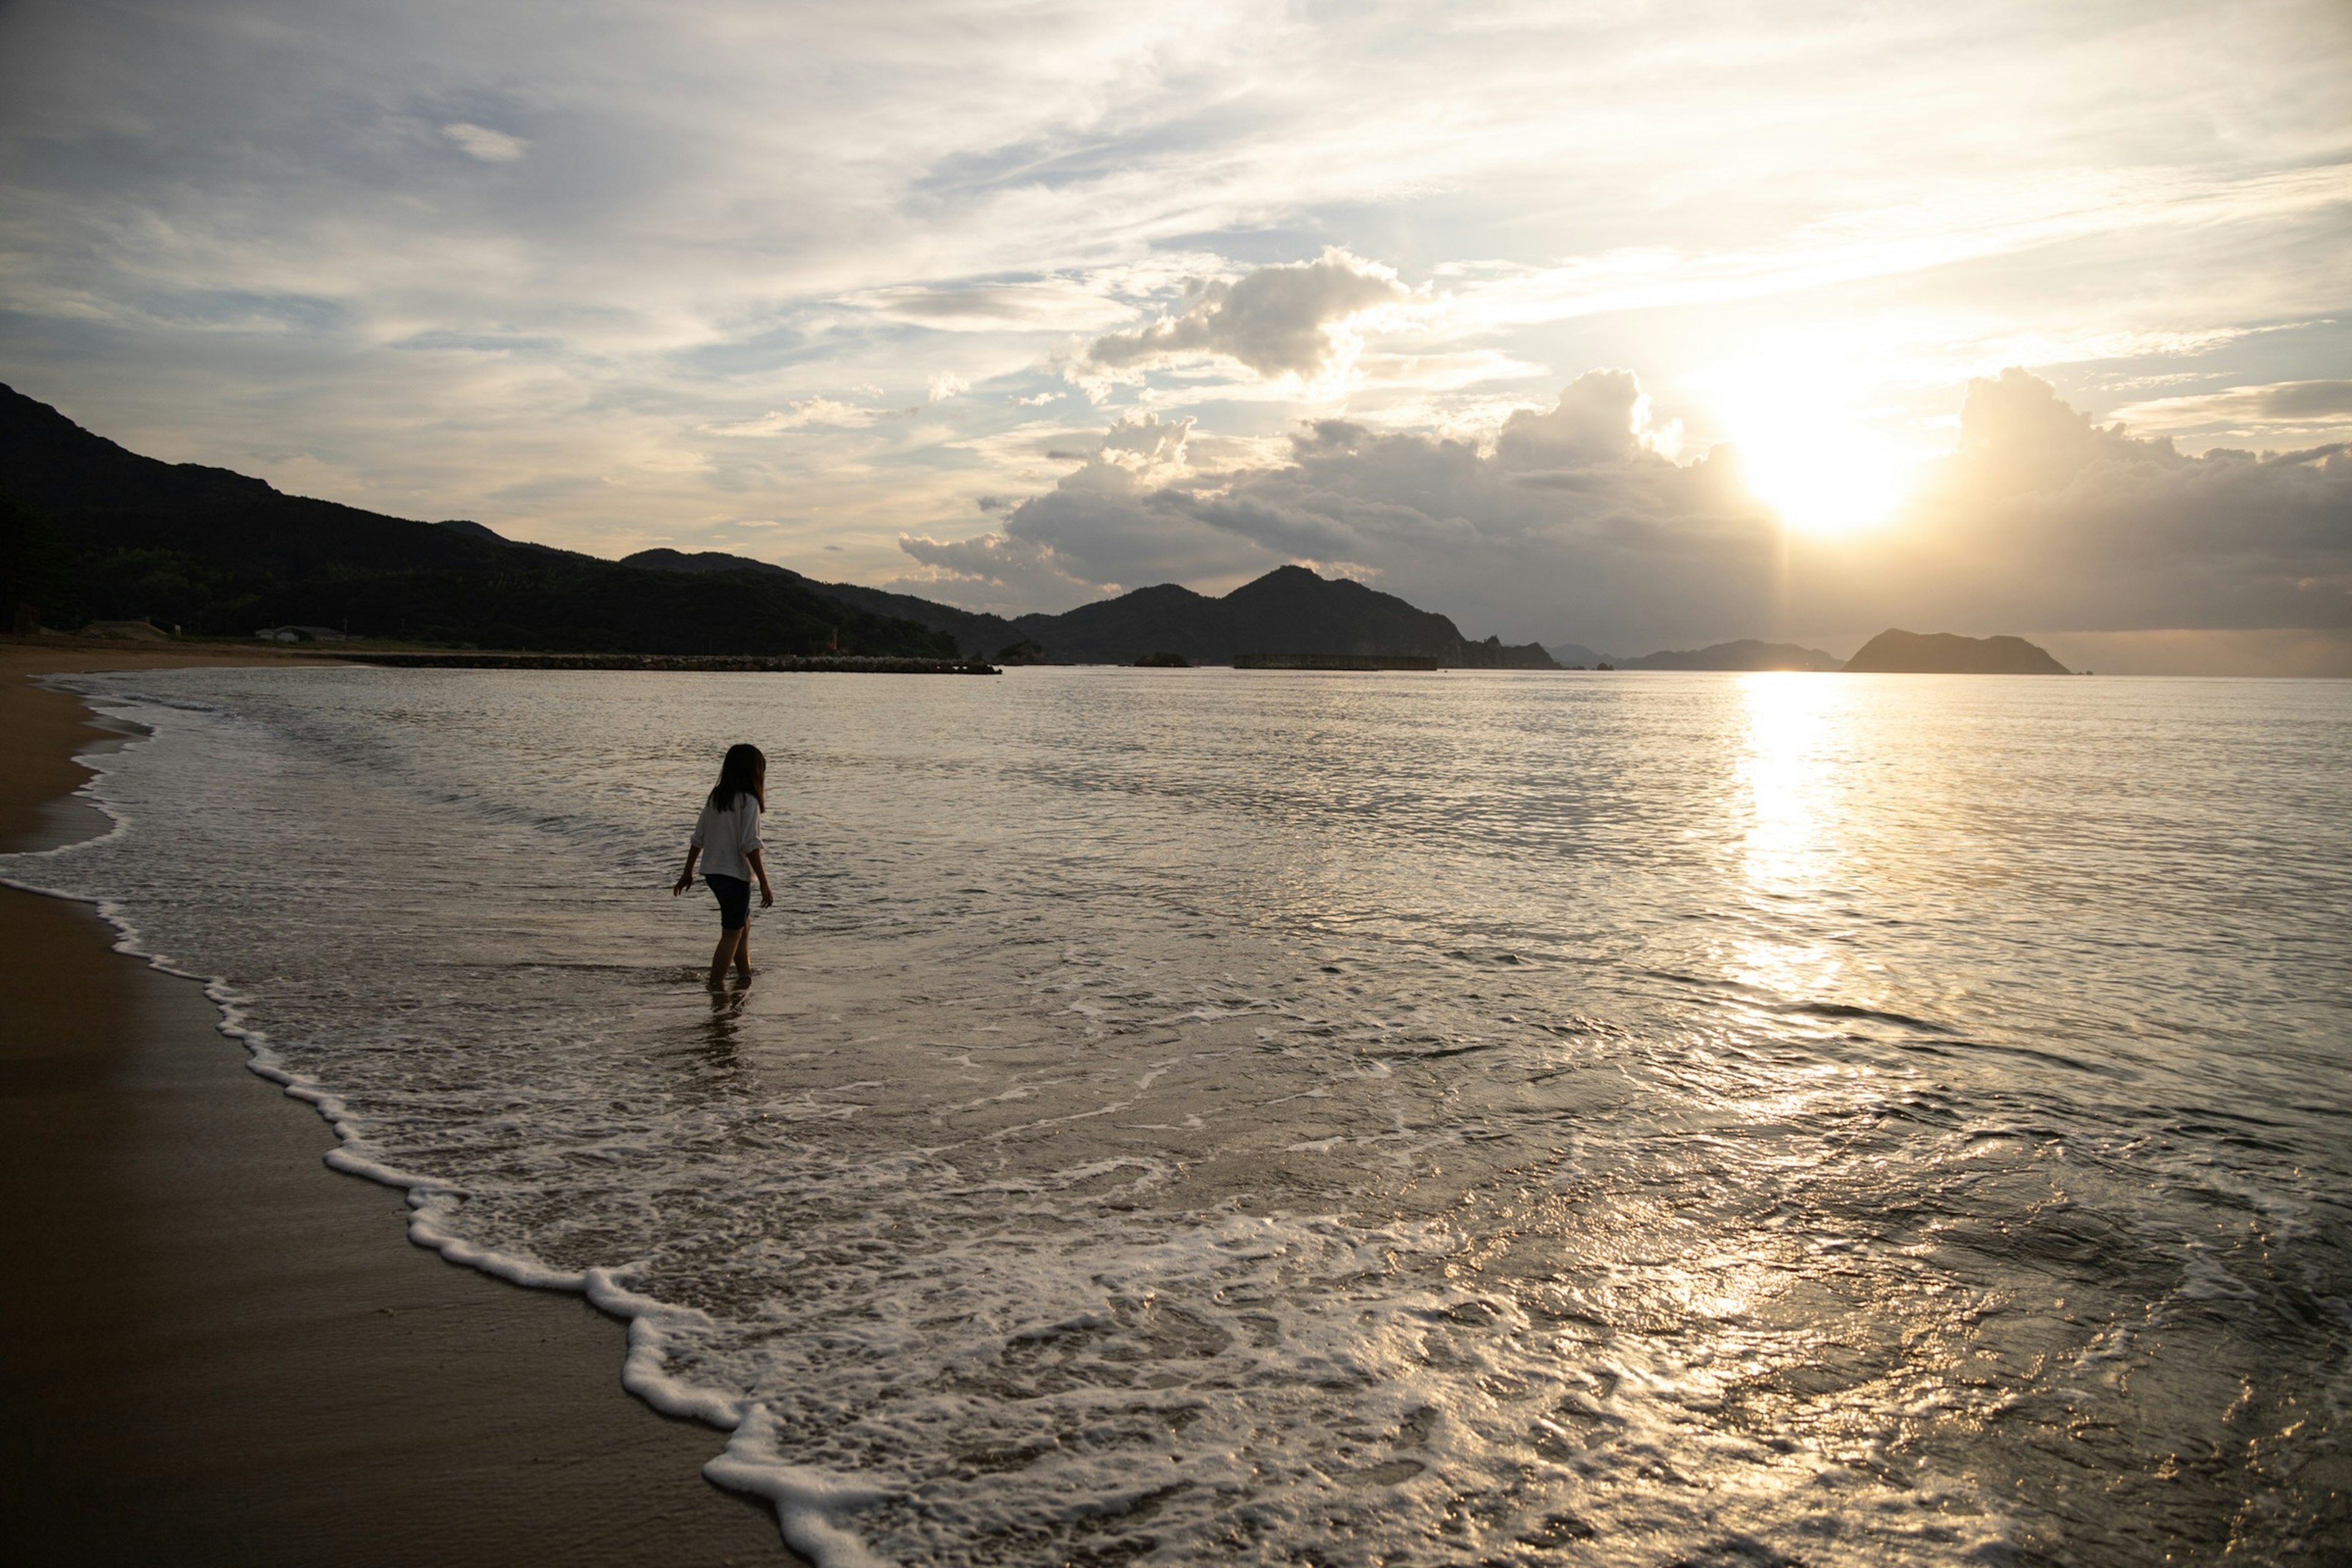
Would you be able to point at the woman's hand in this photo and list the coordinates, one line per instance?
(685, 880)
(767, 896)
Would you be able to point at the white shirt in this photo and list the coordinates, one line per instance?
(729, 838)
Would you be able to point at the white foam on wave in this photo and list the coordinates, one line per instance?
(806, 1503)
(810, 1504)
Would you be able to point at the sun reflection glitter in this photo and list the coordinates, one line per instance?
(1796, 803)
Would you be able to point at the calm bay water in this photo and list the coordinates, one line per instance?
(1191, 1116)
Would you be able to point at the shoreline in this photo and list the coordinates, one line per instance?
(224, 1352)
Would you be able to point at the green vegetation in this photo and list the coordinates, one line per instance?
(36, 570)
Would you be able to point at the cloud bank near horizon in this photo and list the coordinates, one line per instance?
(1572, 519)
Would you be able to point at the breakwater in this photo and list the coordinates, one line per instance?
(757, 664)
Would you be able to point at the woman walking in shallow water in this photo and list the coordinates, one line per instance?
(726, 841)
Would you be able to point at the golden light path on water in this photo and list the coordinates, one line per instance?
(1794, 772)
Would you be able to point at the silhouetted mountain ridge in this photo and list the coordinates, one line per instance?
(979, 635)
(1288, 610)
(223, 554)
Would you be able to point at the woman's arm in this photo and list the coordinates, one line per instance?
(759, 870)
(685, 877)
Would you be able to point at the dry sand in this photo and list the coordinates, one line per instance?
(215, 1349)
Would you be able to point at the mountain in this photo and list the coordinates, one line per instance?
(91, 532)
(1943, 653)
(1288, 610)
(116, 536)
(977, 634)
(1574, 655)
(1745, 653)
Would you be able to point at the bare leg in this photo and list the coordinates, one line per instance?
(743, 953)
(729, 940)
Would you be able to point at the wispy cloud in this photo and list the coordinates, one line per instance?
(481, 141)
(805, 412)
(2281, 409)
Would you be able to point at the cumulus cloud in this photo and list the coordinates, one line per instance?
(1145, 443)
(481, 141)
(995, 572)
(946, 384)
(1292, 318)
(2044, 518)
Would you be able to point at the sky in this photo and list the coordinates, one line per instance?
(1633, 325)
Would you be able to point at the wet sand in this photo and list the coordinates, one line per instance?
(215, 1349)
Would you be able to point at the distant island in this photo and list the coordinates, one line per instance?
(1745, 653)
(1943, 653)
(95, 533)
(1573, 654)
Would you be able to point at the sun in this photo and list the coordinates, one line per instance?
(1825, 465)
(1821, 480)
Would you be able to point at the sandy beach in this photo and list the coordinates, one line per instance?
(216, 1350)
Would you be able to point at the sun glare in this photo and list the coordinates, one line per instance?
(1811, 454)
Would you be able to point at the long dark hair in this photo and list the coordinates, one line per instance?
(739, 774)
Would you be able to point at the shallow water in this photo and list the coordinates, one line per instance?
(1200, 1116)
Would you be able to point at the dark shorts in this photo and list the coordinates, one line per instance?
(734, 901)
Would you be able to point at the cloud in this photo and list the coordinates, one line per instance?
(2043, 517)
(1145, 443)
(995, 572)
(803, 412)
(477, 342)
(2286, 407)
(1119, 516)
(1570, 518)
(946, 384)
(481, 141)
(1283, 319)
(2303, 399)
(1041, 304)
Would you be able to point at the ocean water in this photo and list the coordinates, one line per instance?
(1203, 1117)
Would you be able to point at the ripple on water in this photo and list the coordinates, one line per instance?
(1480, 1118)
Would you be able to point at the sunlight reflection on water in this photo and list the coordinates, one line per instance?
(1795, 772)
